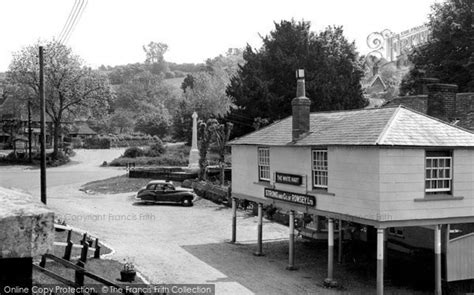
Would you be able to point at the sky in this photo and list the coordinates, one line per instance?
(113, 32)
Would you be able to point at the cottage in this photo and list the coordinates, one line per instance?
(387, 168)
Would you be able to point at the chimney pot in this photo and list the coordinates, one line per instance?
(300, 108)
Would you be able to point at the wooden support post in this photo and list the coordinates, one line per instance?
(339, 248)
(260, 231)
(234, 220)
(330, 250)
(380, 259)
(97, 249)
(291, 243)
(79, 274)
(437, 251)
(85, 249)
(43, 261)
(68, 249)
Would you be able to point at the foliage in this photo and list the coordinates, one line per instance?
(174, 156)
(71, 89)
(155, 150)
(97, 143)
(154, 123)
(221, 135)
(123, 120)
(155, 52)
(265, 85)
(205, 133)
(446, 55)
(133, 152)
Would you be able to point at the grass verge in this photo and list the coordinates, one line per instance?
(115, 185)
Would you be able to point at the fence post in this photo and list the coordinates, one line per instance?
(97, 249)
(68, 249)
(43, 261)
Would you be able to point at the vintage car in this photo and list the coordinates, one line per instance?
(165, 191)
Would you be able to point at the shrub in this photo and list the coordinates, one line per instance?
(156, 149)
(133, 152)
(97, 143)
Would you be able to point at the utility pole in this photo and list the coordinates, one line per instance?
(29, 130)
(42, 124)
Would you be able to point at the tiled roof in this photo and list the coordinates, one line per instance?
(398, 126)
(83, 129)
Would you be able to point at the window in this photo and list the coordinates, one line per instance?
(264, 164)
(320, 169)
(438, 177)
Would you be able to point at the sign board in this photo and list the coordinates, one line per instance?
(288, 178)
(296, 198)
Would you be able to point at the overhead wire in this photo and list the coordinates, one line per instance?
(77, 19)
(66, 24)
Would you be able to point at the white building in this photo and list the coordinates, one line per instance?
(386, 168)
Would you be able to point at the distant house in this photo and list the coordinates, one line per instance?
(386, 169)
(82, 130)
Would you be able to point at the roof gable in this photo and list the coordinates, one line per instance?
(385, 126)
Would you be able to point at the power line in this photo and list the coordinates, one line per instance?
(76, 21)
(66, 24)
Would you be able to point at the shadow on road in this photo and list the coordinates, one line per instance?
(268, 275)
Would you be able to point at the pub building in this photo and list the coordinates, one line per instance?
(394, 170)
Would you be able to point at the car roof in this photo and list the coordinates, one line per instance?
(160, 182)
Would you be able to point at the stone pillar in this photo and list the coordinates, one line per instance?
(442, 101)
(380, 259)
(194, 152)
(437, 251)
(26, 231)
(260, 231)
(291, 243)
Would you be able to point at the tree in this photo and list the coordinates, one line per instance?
(205, 134)
(156, 122)
(446, 55)
(123, 120)
(71, 89)
(221, 138)
(155, 52)
(266, 84)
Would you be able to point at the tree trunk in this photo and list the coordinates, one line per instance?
(56, 132)
(222, 173)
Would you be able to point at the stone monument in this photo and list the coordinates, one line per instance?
(194, 152)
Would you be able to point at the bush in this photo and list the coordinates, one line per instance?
(97, 143)
(155, 150)
(133, 152)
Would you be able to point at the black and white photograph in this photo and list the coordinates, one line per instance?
(236, 147)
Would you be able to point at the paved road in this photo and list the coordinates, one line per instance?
(85, 167)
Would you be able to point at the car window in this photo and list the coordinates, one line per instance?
(169, 187)
(151, 187)
(159, 187)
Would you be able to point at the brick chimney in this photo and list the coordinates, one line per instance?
(300, 108)
(442, 101)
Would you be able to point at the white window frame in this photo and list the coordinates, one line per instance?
(263, 163)
(319, 166)
(436, 174)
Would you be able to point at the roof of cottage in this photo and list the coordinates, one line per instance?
(391, 126)
(82, 129)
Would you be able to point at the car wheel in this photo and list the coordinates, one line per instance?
(187, 202)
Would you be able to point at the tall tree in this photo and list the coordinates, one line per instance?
(155, 52)
(71, 89)
(446, 55)
(265, 85)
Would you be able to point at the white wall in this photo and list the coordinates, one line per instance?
(368, 182)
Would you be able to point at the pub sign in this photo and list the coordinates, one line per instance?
(296, 198)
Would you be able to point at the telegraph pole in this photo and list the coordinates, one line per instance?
(42, 124)
(29, 130)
